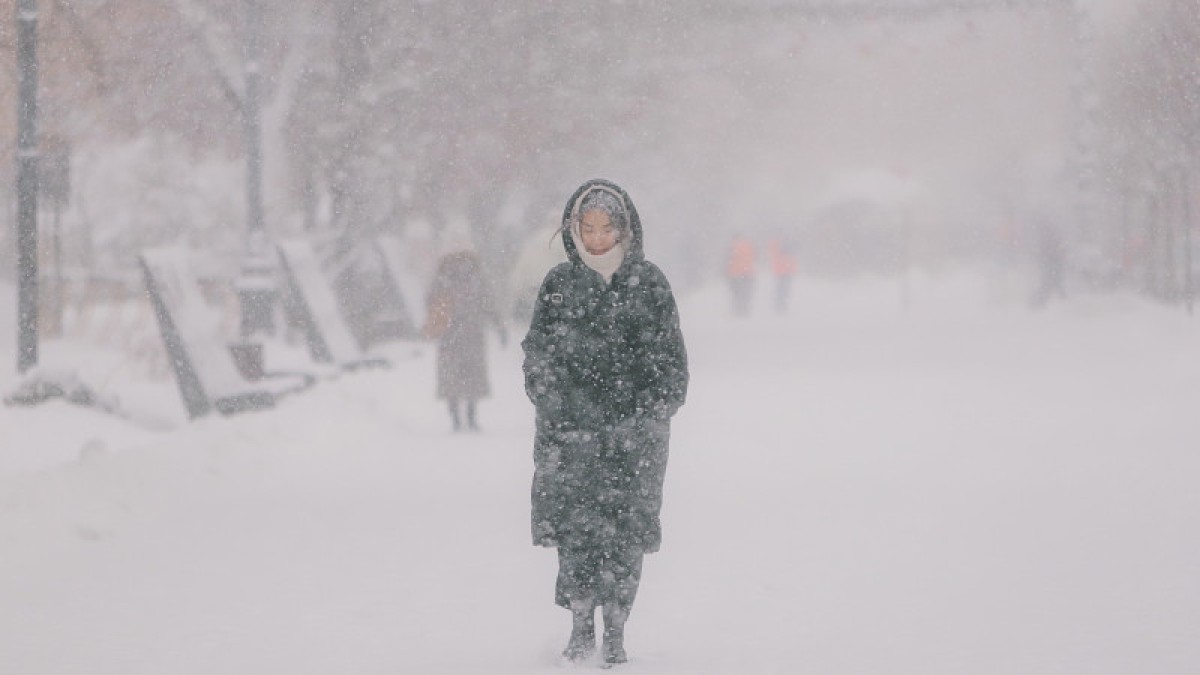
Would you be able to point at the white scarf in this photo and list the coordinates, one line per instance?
(606, 264)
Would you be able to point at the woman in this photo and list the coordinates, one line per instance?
(606, 368)
(459, 308)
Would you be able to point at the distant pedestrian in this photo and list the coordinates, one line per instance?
(739, 270)
(460, 306)
(783, 268)
(606, 368)
(1051, 261)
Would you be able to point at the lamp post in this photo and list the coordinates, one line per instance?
(1185, 180)
(256, 285)
(27, 181)
(252, 119)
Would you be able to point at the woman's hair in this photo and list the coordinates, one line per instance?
(609, 203)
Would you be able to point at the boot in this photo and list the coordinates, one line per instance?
(614, 635)
(471, 416)
(454, 418)
(583, 631)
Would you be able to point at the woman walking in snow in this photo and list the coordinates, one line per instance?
(460, 306)
(606, 368)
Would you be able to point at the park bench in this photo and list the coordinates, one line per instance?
(200, 356)
(311, 305)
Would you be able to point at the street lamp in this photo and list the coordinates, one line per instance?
(1185, 179)
(256, 284)
(27, 180)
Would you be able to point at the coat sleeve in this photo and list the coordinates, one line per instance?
(666, 356)
(541, 378)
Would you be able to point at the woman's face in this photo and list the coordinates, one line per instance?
(598, 232)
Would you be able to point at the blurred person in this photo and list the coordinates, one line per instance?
(1051, 263)
(739, 270)
(783, 268)
(606, 368)
(459, 307)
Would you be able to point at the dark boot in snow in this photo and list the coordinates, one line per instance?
(471, 416)
(454, 418)
(614, 646)
(583, 632)
(614, 636)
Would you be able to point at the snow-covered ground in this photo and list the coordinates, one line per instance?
(965, 487)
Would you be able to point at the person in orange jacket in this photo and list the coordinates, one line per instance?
(740, 272)
(783, 268)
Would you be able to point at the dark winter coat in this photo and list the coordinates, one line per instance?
(461, 307)
(606, 368)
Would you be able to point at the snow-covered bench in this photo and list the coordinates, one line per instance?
(311, 304)
(199, 354)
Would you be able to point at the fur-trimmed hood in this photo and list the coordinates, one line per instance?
(633, 245)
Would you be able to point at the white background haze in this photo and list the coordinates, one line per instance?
(916, 469)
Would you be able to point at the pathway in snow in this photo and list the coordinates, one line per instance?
(960, 489)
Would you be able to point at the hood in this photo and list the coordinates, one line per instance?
(633, 250)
